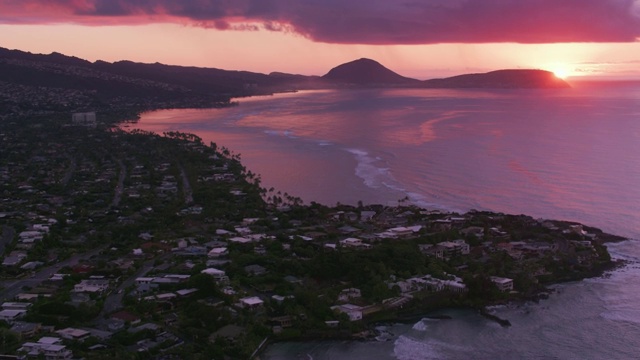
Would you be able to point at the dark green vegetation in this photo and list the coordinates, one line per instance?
(133, 219)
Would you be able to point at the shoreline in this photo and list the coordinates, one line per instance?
(394, 253)
(371, 333)
(541, 294)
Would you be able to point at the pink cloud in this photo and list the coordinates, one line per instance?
(362, 21)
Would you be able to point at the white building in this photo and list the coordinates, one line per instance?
(455, 247)
(218, 275)
(50, 347)
(503, 284)
(218, 252)
(92, 286)
(252, 302)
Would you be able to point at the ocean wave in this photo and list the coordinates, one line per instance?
(420, 326)
(375, 175)
(632, 316)
(372, 175)
(423, 324)
(406, 348)
(628, 250)
(410, 348)
(286, 133)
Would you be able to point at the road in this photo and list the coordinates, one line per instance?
(117, 195)
(113, 301)
(11, 288)
(186, 186)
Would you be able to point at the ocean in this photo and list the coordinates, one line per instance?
(569, 154)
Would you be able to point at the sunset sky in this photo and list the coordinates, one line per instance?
(417, 38)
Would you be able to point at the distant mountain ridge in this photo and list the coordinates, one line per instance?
(38, 83)
(366, 72)
(499, 79)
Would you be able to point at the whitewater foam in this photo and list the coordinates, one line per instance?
(406, 348)
(285, 133)
(372, 175)
(420, 326)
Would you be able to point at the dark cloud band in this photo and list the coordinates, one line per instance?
(363, 21)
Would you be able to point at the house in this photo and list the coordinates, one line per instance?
(161, 297)
(455, 247)
(442, 224)
(73, 334)
(241, 240)
(282, 321)
(456, 286)
(503, 284)
(12, 315)
(186, 292)
(175, 278)
(218, 252)
(348, 294)
(404, 231)
(49, 347)
(58, 277)
(92, 286)
(31, 265)
(432, 250)
(252, 303)
(144, 280)
(353, 242)
(14, 258)
(354, 312)
(218, 275)
(15, 305)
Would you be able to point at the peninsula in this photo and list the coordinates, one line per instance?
(121, 243)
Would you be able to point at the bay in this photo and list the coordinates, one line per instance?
(561, 154)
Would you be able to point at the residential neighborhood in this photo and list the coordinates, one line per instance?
(140, 245)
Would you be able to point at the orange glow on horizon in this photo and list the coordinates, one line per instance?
(262, 51)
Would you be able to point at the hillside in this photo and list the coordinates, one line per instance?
(501, 79)
(42, 84)
(366, 72)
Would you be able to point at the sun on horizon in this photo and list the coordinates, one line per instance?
(561, 72)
